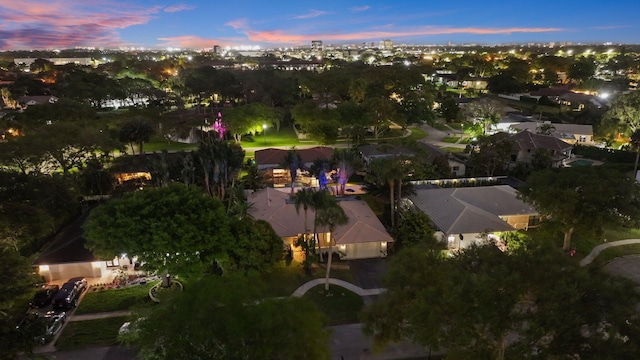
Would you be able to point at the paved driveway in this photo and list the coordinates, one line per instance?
(626, 266)
(367, 273)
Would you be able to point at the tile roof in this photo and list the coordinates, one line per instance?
(273, 157)
(527, 140)
(471, 209)
(272, 206)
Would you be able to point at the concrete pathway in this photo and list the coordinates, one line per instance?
(347, 285)
(102, 315)
(435, 136)
(598, 249)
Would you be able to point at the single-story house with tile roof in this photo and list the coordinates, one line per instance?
(371, 152)
(269, 160)
(462, 216)
(362, 237)
(37, 100)
(526, 143)
(272, 158)
(569, 133)
(66, 256)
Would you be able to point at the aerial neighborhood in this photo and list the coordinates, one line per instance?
(462, 202)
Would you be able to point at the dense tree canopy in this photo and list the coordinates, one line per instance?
(583, 198)
(227, 318)
(180, 230)
(483, 303)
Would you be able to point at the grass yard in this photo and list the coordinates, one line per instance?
(114, 299)
(90, 333)
(453, 149)
(340, 305)
(416, 134)
(284, 279)
(455, 139)
(157, 145)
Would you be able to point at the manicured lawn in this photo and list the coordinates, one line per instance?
(453, 149)
(615, 252)
(285, 137)
(158, 145)
(454, 125)
(416, 134)
(284, 279)
(451, 139)
(90, 333)
(340, 305)
(114, 299)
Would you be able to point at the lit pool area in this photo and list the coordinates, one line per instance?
(580, 162)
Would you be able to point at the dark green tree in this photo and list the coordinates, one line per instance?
(217, 318)
(414, 228)
(174, 228)
(136, 131)
(483, 303)
(583, 198)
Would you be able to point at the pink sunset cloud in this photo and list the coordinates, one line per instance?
(37, 24)
(283, 37)
(194, 42)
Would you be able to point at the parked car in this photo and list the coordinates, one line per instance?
(69, 294)
(52, 325)
(44, 296)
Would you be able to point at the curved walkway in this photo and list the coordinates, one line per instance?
(347, 285)
(598, 249)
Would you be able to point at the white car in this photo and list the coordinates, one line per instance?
(53, 323)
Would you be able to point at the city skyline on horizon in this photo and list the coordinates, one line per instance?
(200, 24)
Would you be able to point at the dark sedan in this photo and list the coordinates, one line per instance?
(44, 296)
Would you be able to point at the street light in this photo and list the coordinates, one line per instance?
(264, 131)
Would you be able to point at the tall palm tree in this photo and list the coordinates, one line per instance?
(347, 161)
(387, 171)
(221, 162)
(321, 200)
(292, 161)
(304, 199)
(331, 216)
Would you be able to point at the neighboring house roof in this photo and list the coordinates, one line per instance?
(526, 140)
(551, 91)
(67, 246)
(471, 209)
(274, 157)
(434, 152)
(274, 207)
(37, 100)
(384, 150)
(561, 131)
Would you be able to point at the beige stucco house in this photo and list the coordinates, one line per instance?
(362, 237)
(468, 215)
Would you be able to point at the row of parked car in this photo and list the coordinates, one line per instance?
(61, 298)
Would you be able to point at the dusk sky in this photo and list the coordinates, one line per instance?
(42, 24)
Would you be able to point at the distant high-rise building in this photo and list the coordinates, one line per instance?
(316, 45)
(386, 44)
(216, 49)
